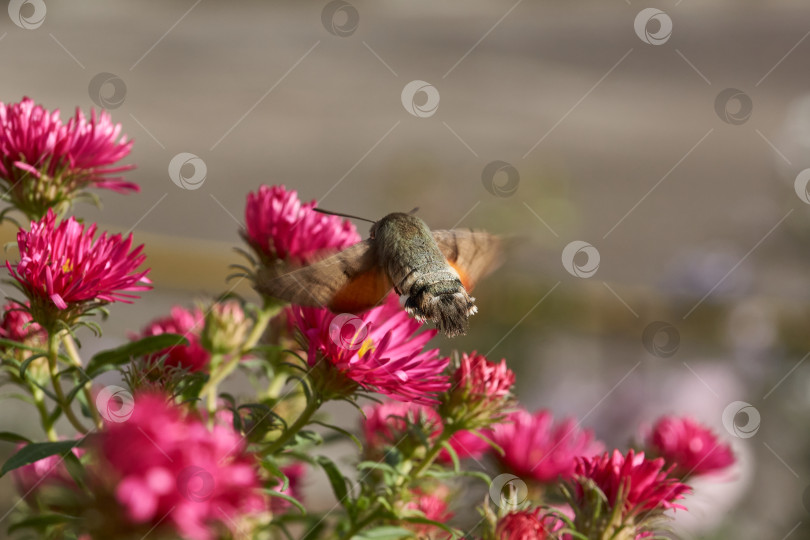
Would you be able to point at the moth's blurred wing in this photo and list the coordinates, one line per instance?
(349, 281)
(473, 254)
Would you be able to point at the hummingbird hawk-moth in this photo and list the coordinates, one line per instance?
(432, 271)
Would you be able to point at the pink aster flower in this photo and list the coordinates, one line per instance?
(691, 447)
(278, 226)
(295, 474)
(188, 323)
(44, 475)
(480, 392)
(17, 325)
(63, 266)
(171, 471)
(537, 448)
(528, 525)
(397, 424)
(44, 162)
(637, 484)
(380, 352)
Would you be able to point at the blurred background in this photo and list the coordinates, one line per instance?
(667, 138)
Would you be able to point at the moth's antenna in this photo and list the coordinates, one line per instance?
(322, 211)
(415, 210)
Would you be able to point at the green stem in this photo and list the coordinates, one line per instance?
(39, 400)
(73, 354)
(53, 367)
(289, 433)
(222, 369)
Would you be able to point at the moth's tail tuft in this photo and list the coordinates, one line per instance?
(449, 310)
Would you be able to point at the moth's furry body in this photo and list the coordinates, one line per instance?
(430, 287)
(431, 270)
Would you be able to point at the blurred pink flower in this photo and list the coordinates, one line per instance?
(383, 354)
(43, 161)
(188, 323)
(295, 474)
(17, 324)
(466, 446)
(170, 469)
(278, 226)
(62, 265)
(386, 424)
(691, 447)
(434, 507)
(528, 525)
(44, 474)
(644, 484)
(534, 447)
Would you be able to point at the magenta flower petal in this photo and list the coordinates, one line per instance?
(692, 448)
(63, 265)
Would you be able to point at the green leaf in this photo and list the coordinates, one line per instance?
(342, 431)
(386, 532)
(336, 479)
(13, 437)
(41, 521)
(425, 521)
(453, 455)
(110, 358)
(18, 345)
(287, 498)
(36, 451)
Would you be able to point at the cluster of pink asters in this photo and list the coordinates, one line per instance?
(391, 359)
(280, 227)
(187, 323)
(169, 468)
(45, 163)
(62, 265)
(691, 448)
